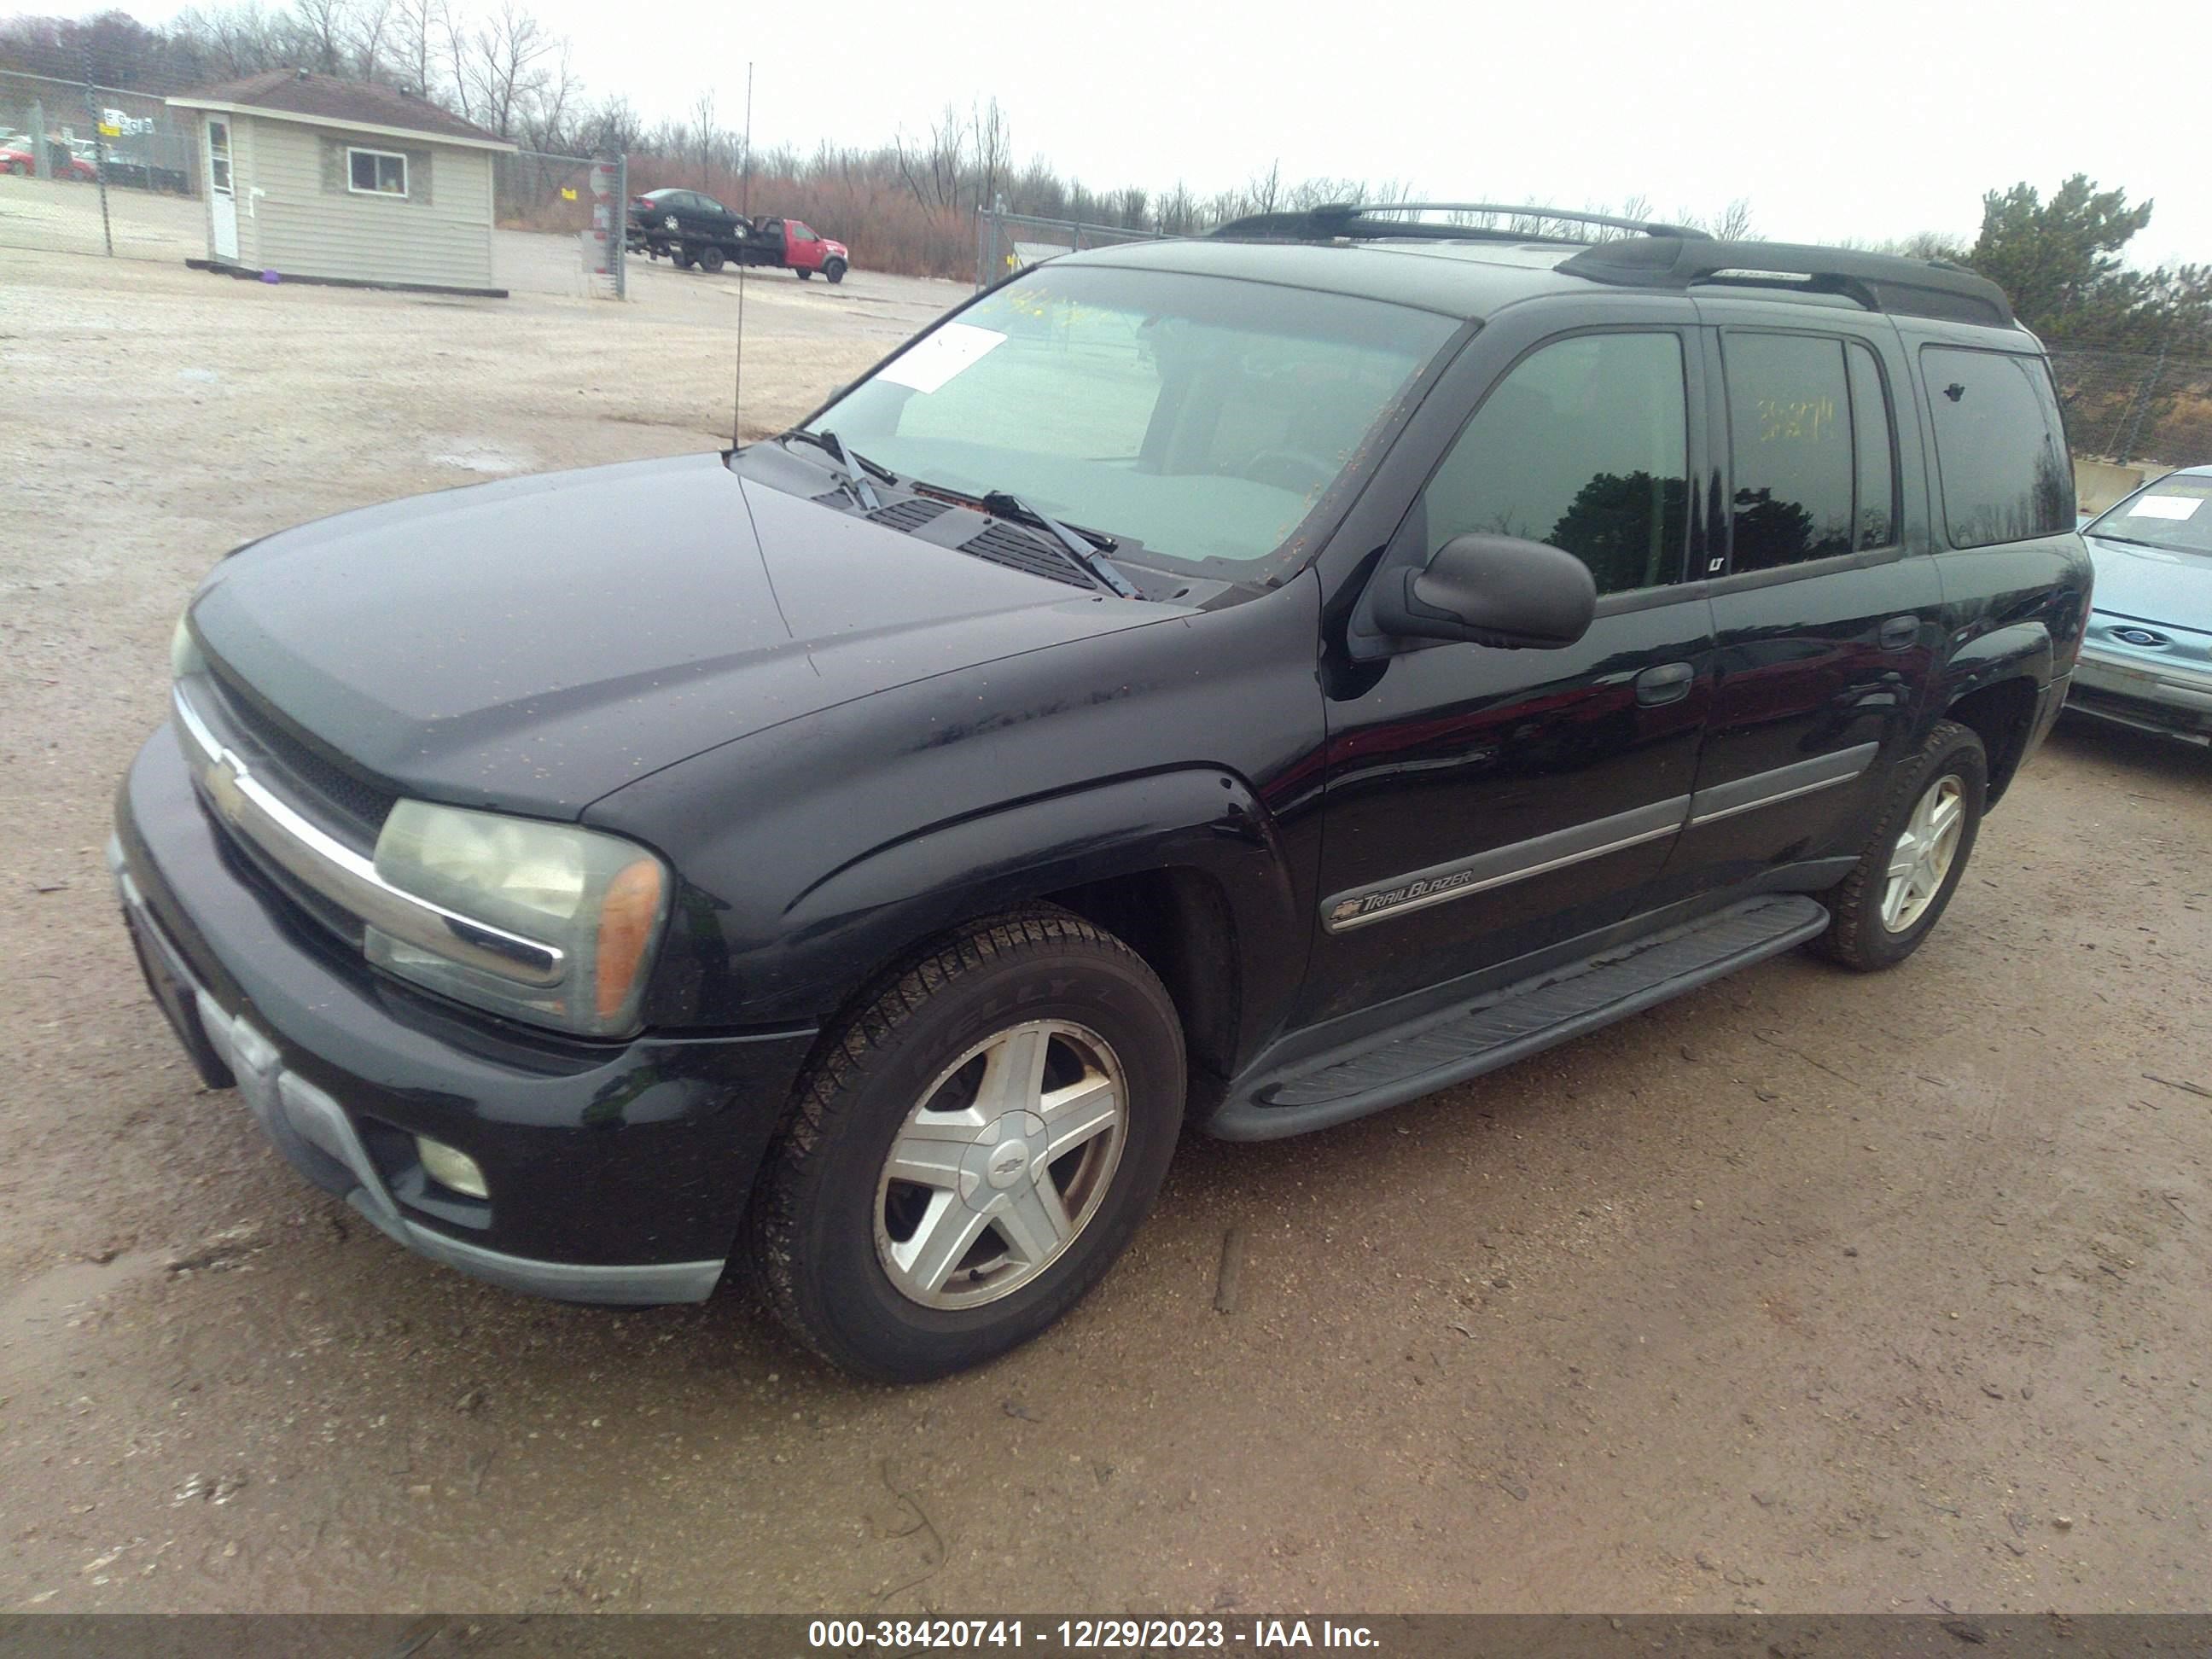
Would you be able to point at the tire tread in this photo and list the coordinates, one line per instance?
(1854, 903)
(873, 1020)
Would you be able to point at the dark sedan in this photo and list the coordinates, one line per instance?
(687, 226)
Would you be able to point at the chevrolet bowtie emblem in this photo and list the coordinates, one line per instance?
(222, 785)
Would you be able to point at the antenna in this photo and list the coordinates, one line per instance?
(744, 212)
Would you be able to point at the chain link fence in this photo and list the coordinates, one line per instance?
(2126, 406)
(1008, 242)
(558, 223)
(87, 168)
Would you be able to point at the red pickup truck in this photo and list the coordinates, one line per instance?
(691, 229)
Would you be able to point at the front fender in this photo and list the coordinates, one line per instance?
(1202, 819)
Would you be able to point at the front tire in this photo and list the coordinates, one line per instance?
(1916, 856)
(834, 271)
(971, 1148)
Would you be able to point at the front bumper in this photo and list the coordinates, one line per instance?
(618, 1173)
(2148, 697)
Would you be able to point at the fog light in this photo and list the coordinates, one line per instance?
(449, 1167)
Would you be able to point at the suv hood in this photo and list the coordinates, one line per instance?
(534, 644)
(2151, 585)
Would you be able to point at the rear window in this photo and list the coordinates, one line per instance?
(1999, 450)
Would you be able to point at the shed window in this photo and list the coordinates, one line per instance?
(376, 172)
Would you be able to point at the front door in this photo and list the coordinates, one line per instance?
(1482, 803)
(222, 197)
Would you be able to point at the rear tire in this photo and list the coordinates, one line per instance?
(683, 260)
(897, 1229)
(834, 271)
(712, 259)
(1914, 859)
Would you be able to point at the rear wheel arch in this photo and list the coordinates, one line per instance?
(2003, 715)
(1992, 685)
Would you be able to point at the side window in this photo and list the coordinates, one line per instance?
(1873, 437)
(1789, 437)
(1583, 444)
(1998, 449)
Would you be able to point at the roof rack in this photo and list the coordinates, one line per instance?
(1880, 282)
(1353, 222)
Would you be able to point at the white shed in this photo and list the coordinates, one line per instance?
(328, 180)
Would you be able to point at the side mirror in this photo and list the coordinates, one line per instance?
(1491, 590)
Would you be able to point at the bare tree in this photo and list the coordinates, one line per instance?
(947, 146)
(323, 30)
(613, 128)
(993, 150)
(1264, 193)
(373, 28)
(1733, 222)
(459, 55)
(1178, 211)
(704, 135)
(234, 40)
(546, 120)
(413, 33)
(504, 62)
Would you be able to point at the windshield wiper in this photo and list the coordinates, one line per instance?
(851, 470)
(1086, 548)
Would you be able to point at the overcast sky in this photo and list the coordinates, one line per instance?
(1872, 119)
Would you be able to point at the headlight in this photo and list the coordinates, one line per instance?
(184, 653)
(598, 899)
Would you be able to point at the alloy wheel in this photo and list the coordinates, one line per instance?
(1923, 856)
(1001, 1164)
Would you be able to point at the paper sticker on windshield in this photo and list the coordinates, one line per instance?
(2167, 507)
(936, 360)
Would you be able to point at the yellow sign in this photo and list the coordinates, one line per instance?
(106, 132)
(568, 194)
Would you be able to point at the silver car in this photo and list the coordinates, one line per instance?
(2146, 659)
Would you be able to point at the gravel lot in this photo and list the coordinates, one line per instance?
(1808, 1291)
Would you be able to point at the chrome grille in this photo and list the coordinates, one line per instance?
(347, 805)
(272, 828)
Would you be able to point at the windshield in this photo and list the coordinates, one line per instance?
(1201, 416)
(2173, 513)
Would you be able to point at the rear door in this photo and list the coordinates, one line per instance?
(1483, 805)
(1827, 606)
(710, 219)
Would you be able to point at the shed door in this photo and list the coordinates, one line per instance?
(222, 198)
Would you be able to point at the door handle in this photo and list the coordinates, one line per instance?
(1899, 632)
(1668, 682)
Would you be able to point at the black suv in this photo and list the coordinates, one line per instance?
(1241, 683)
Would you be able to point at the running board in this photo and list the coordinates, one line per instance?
(1515, 1021)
